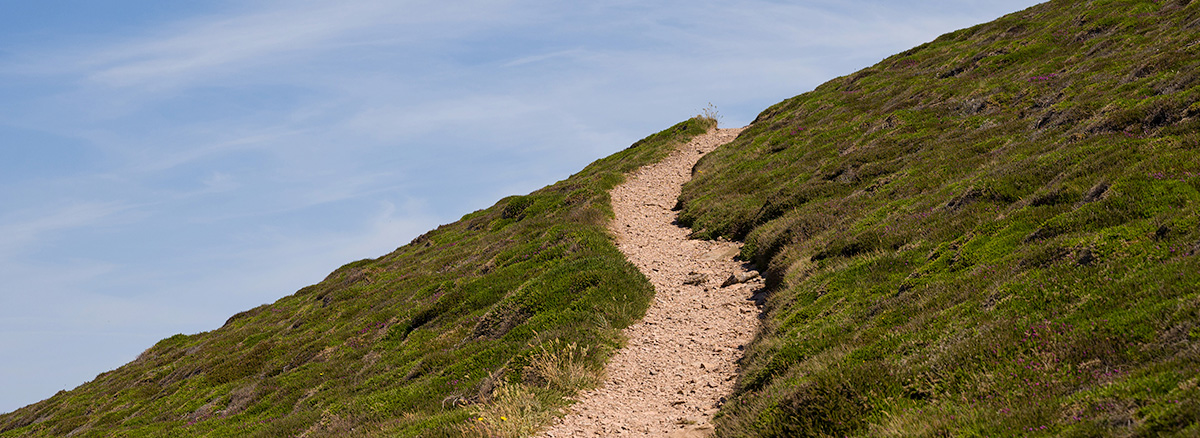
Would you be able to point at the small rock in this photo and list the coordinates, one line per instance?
(1086, 257)
(739, 277)
(695, 279)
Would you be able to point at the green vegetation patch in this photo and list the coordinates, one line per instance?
(993, 234)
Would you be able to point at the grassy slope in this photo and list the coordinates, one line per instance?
(995, 233)
(401, 345)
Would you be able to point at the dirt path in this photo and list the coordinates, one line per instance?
(679, 361)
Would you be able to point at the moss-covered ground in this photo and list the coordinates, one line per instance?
(993, 234)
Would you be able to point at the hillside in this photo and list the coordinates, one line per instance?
(993, 234)
(523, 301)
(996, 233)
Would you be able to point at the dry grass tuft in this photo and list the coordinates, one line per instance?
(563, 367)
(515, 411)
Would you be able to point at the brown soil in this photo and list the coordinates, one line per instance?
(680, 360)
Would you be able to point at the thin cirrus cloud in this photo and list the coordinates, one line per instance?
(20, 231)
(224, 156)
(197, 51)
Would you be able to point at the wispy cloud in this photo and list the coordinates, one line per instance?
(530, 59)
(22, 230)
(408, 122)
(212, 49)
(157, 158)
(208, 47)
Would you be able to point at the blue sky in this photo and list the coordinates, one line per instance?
(164, 165)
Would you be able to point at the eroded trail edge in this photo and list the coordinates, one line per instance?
(679, 362)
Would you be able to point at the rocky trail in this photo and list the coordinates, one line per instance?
(680, 360)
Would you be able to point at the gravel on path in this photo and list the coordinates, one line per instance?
(680, 360)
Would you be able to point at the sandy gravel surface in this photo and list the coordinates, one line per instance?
(679, 362)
